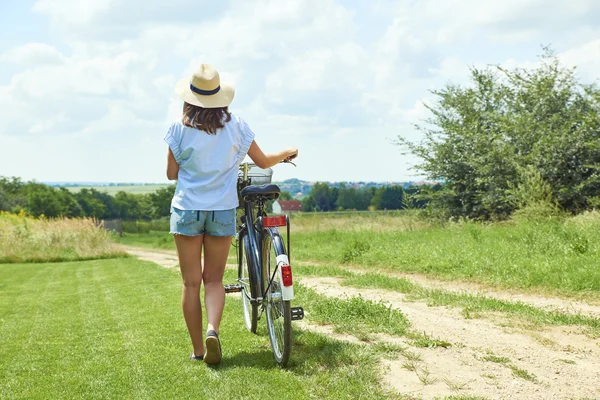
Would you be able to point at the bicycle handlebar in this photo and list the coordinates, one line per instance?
(250, 165)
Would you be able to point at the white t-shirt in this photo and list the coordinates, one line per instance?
(208, 164)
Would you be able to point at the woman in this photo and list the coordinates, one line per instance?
(205, 150)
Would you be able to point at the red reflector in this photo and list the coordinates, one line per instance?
(270, 222)
(286, 274)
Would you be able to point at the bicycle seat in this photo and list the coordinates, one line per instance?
(269, 191)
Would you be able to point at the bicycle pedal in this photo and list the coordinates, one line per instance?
(233, 288)
(297, 313)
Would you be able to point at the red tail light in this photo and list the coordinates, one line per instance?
(269, 222)
(286, 274)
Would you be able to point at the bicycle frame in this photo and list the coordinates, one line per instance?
(253, 249)
(253, 227)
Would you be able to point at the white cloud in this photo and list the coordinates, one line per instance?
(327, 76)
(33, 54)
(586, 58)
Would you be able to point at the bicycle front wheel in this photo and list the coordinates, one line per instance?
(250, 310)
(279, 317)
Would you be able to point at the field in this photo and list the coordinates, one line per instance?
(395, 308)
(112, 190)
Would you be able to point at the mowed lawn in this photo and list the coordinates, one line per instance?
(113, 329)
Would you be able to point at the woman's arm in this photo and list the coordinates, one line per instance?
(172, 166)
(263, 160)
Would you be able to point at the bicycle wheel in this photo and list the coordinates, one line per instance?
(279, 317)
(250, 310)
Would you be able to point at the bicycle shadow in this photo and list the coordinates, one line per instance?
(309, 350)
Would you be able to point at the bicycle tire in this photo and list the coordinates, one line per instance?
(250, 310)
(277, 310)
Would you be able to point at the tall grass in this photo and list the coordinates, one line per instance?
(375, 221)
(26, 239)
(560, 255)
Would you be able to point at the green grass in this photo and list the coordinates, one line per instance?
(354, 315)
(553, 256)
(113, 329)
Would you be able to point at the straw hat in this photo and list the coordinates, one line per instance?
(204, 89)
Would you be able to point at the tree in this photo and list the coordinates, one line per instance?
(388, 198)
(91, 205)
(308, 204)
(483, 140)
(160, 201)
(346, 199)
(42, 199)
(69, 205)
(324, 197)
(128, 206)
(12, 196)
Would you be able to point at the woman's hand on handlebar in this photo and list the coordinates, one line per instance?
(292, 153)
(264, 161)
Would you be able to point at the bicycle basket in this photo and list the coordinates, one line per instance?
(259, 176)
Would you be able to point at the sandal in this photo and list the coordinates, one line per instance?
(195, 357)
(213, 353)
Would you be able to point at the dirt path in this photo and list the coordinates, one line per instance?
(561, 364)
(164, 258)
(484, 359)
(564, 305)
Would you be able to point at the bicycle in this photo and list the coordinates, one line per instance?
(264, 271)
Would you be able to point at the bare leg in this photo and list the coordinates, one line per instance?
(216, 250)
(189, 249)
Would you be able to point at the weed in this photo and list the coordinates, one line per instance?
(390, 351)
(424, 340)
(567, 361)
(425, 376)
(456, 386)
(410, 365)
(412, 356)
(496, 359)
(521, 373)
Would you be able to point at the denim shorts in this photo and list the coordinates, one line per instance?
(197, 222)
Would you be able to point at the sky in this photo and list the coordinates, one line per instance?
(86, 86)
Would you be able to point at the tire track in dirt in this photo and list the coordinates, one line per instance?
(565, 367)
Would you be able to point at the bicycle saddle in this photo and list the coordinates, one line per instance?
(268, 190)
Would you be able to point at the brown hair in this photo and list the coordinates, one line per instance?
(205, 119)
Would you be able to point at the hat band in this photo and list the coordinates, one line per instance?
(204, 92)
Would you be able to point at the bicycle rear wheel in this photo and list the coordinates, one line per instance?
(279, 317)
(250, 310)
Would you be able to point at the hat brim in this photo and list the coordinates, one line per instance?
(222, 98)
